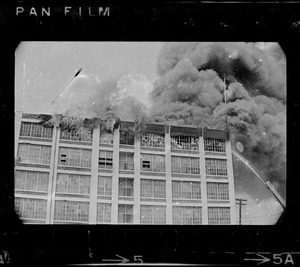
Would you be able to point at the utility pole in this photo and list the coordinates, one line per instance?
(239, 201)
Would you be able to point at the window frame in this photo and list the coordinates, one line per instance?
(33, 151)
(127, 188)
(105, 212)
(84, 157)
(154, 211)
(214, 145)
(157, 188)
(185, 165)
(213, 167)
(105, 162)
(40, 176)
(126, 164)
(125, 214)
(152, 161)
(106, 181)
(186, 215)
(153, 140)
(36, 127)
(186, 142)
(191, 187)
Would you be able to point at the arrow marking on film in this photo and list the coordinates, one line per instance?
(122, 259)
(263, 259)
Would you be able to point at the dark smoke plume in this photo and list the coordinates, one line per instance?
(190, 91)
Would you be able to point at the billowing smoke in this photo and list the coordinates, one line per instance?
(89, 102)
(190, 91)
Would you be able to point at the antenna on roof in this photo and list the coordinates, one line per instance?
(77, 73)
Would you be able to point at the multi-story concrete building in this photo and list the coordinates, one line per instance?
(160, 174)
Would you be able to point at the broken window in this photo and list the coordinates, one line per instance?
(105, 159)
(152, 163)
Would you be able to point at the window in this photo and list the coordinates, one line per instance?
(153, 214)
(187, 215)
(106, 138)
(216, 167)
(35, 130)
(126, 161)
(104, 186)
(103, 212)
(72, 184)
(81, 135)
(216, 145)
(106, 160)
(71, 211)
(184, 142)
(217, 191)
(34, 181)
(30, 153)
(153, 140)
(126, 138)
(186, 165)
(153, 188)
(126, 187)
(29, 208)
(217, 215)
(152, 163)
(125, 213)
(186, 190)
(74, 157)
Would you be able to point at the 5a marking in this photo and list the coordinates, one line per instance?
(277, 259)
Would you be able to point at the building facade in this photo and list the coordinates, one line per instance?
(163, 174)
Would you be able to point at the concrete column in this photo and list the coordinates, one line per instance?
(94, 177)
(18, 119)
(137, 181)
(203, 181)
(231, 183)
(115, 177)
(168, 177)
(53, 175)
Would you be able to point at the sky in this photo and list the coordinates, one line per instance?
(131, 72)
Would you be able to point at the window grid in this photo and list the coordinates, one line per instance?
(106, 138)
(184, 142)
(74, 157)
(125, 213)
(30, 180)
(126, 187)
(31, 208)
(187, 165)
(153, 140)
(152, 163)
(186, 190)
(217, 191)
(81, 135)
(153, 214)
(71, 211)
(187, 215)
(218, 215)
(216, 167)
(73, 184)
(103, 212)
(31, 129)
(153, 188)
(215, 145)
(30, 153)
(126, 161)
(105, 159)
(126, 138)
(104, 186)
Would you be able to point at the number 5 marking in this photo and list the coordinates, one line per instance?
(138, 258)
